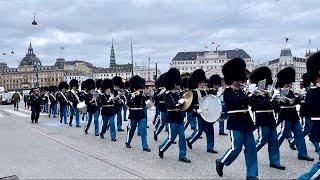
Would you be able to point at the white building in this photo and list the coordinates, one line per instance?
(122, 70)
(285, 60)
(210, 61)
(79, 77)
(147, 73)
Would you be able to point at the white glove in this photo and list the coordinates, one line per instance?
(110, 98)
(275, 93)
(252, 88)
(181, 101)
(199, 111)
(162, 91)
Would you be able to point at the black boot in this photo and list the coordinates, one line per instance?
(278, 166)
(219, 167)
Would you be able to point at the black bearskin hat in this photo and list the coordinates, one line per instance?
(117, 81)
(171, 78)
(215, 80)
(261, 73)
(234, 70)
(286, 76)
(106, 83)
(136, 82)
(313, 67)
(74, 83)
(161, 80)
(185, 83)
(63, 85)
(127, 85)
(89, 84)
(98, 83)
(52, 89)
(83, 85)
(305, 80)
(198, 76)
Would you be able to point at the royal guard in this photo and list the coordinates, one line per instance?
(173, 102)
(288, 115)
(52, 101)
(62, 98)
(74, 100)
(136, 103)
(239, 121)
(91, 100)
(119, 94)
(106, 102)
(263, 106)
(199, 80)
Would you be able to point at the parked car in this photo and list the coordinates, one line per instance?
(6, 98)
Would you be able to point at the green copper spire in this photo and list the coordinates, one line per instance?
(112, 56)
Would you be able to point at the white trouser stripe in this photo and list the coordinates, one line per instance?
(129, 127)
(230, 150)
(316, 174)
(169, 138)
(259, 136)
(283, 125)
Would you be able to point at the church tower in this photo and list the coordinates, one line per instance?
(112, 56)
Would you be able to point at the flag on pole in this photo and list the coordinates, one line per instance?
(287, 39)
(61, 47)
(212, 43)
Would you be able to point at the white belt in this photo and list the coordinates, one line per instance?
(238, 111)
(107, 105)
(161, 102)
(264, 111)
(287, 107)
(136, 109)
(315, 118)
(173, 110)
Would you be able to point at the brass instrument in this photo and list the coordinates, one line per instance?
(188, 96)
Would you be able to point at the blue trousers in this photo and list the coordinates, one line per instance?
(191, 119)
(142, 129)
(269, 135)
(239, 139)
(124, 108)
(223, 117)
(74, 112)
(119, 119)
(286, 128)
(174, 130)
(94, 115)
(63, 113)
(53, 110)
(312, 174)
(45, 107)
(109, 120)
(206, 127)
(163, 122)
(157, 113)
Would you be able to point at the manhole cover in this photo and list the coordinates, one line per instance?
(10, 177)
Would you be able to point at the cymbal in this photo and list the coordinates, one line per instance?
(188, 95)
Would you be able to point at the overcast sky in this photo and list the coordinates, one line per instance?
(160, 28)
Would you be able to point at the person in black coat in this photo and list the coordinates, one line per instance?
(35, 102)
(136, 103)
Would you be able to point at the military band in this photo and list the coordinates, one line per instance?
(272, 101)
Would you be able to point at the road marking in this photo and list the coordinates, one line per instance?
(1, 115)
(17, 113)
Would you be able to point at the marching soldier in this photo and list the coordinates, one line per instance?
(35, 102)
(288, 115)
(82, 96)
(263, 106)
(156, 103)
(239, 121)
(74, 100)
(216, 89)
(159, 125)
(136, 103)
(199, 79)
(312, 101)
(125, 107)
(53, 101)
(173, 101)
(63, 101)
(106, 102)
(118, 92)
(45, 100)
(91, 100)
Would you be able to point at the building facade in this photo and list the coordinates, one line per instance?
(286, 59)
(25, 75)
(210, 61)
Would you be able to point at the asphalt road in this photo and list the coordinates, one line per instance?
(52, 150)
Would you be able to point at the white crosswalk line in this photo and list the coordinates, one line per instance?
(17, 113)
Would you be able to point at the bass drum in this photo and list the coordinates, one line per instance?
(82, 107)
(211, 108)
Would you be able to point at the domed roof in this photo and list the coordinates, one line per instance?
(30, 59)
